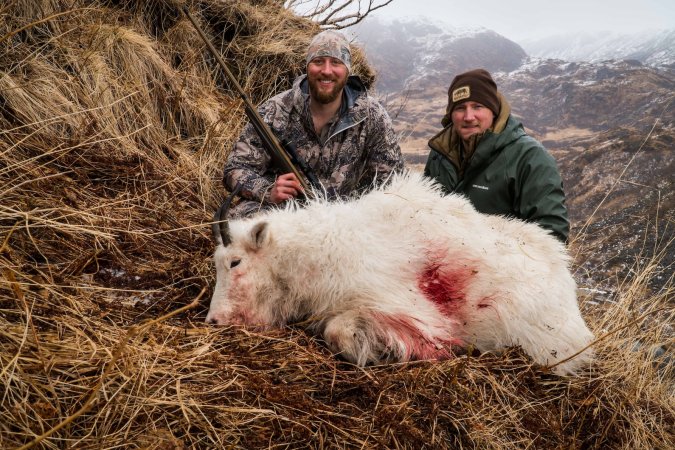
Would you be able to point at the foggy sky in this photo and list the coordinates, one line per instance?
(525, 19)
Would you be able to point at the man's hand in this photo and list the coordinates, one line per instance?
(285, 187)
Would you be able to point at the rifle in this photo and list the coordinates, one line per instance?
(284, 157)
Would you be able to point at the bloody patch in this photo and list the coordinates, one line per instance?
(444, 284)
(408, 333)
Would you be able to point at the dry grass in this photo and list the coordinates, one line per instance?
(114, 129)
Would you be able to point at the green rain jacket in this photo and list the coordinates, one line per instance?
(509, 173)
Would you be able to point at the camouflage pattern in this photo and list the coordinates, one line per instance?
(359, 149)
(330, 43)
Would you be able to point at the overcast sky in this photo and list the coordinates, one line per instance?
(522, 19)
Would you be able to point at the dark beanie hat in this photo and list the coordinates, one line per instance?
(476, 86)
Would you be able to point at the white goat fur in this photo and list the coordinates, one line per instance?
(403, 273)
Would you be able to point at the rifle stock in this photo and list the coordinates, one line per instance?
(269, 141)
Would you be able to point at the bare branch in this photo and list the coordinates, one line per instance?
(336, 14)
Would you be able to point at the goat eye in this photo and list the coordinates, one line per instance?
(234, 263)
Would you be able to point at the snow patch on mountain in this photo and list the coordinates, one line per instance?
(653, 48)
(406, 51)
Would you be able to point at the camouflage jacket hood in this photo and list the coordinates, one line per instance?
(360, 147)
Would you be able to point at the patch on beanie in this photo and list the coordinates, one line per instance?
(461, 93)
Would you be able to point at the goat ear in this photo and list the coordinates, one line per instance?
(260, 235)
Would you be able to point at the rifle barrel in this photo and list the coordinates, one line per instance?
(269, 140)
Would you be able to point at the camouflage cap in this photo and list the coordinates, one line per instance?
(330, 43)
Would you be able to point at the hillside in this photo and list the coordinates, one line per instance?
(599, 119)
(405, 51)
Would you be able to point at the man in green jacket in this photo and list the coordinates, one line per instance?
(484, 153)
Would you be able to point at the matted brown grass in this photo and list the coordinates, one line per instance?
(113, 130)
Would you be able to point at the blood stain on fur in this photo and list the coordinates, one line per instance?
(446, 285)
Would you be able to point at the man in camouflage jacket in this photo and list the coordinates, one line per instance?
(344, 135)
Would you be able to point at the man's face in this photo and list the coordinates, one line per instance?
(327, 76)
(470, 118)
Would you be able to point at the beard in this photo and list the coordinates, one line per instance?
(323, 96)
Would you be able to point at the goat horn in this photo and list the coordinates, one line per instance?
(220, 226)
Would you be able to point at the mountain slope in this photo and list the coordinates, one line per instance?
(654, 48)
(553, 94)
(405, 51)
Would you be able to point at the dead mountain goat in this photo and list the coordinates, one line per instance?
(401, 273)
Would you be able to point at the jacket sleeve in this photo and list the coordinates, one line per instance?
(248, 164)
(441, 170)
(542, 199)
(384, 151)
